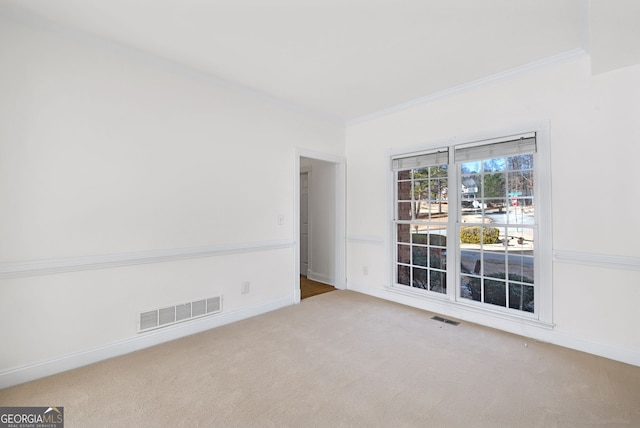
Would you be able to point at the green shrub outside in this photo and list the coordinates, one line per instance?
(473, 234)
(521, 296)
(429, 239)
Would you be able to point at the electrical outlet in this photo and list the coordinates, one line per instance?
(245, 287)
(365, 270)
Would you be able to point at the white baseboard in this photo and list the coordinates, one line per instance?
(26, 373)
(315, 276)
(541, 333)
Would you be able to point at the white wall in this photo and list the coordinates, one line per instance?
(107, 155)
(594, 128)
(613, 34)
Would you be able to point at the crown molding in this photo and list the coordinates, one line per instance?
(503, 75)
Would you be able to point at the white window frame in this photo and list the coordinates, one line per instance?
(543, 255)
(417, 160)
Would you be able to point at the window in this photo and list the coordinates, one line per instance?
(484, 195)
(496, 223)
(421, 221)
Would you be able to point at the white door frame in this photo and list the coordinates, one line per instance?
(339, 274)
(307, 171)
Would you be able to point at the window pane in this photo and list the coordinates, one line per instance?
(438, 258)
(404, 275)
(419, 173)
(404, 210)
(434, 204)
(494, 185)
(520, 239)
(495, 209)
(521, 268)
(421, 210)
(470, 167)
(494, 264)
(470, 262)
(470, 185)
(520, 184)
(438, 235)
(404, 254)
(520, 162)
(404, 175)
(420, 188)
(439, 171)
(420, 278)
(420, 235)
(438, 281)
(492, 165)
(404, 191)
(521, 297)
(420, 256)
(470, 287)
(495, 292)
(404, 233)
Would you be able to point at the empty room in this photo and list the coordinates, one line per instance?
(320, 213)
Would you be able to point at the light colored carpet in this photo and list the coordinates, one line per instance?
(344, 359)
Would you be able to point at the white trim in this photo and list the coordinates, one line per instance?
(543, 188)
(531, 329)
(312, 154)
(503, 75)
(26, 373)
(47, 267)
(307, 170)
(340, 262)
(318, 277)
(601, 260)
(339, 274)
(296, 228)
(543, 263)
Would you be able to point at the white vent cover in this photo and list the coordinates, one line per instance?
(183, 312)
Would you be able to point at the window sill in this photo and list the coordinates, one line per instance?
(486, 316)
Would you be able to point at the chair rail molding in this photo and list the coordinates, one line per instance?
(611, 261)
(73, 264)
(366, 239)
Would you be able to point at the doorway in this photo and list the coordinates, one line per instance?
(319, 220)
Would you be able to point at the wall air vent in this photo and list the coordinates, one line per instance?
(170, 315)
(444, 320)
(213, 305)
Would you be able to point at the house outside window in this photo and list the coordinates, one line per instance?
(476, 246)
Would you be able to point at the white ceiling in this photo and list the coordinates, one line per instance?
(341, 58)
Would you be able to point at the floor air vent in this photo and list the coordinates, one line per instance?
(444, 320)
(174, 314)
